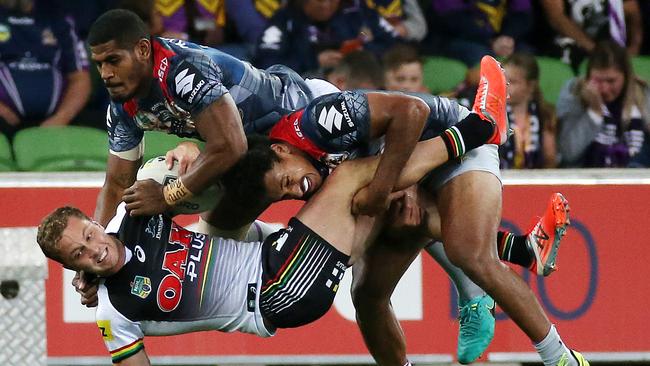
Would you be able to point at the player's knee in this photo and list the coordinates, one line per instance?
(481, 269)
(468, 258)
(419, 109)
(367, 295)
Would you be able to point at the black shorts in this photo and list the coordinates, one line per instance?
(301, 274)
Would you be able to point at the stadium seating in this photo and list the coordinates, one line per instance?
(553, 75)
(443, 74)
(641, 66)
(158, 143)
(6, 160)
(67, 148)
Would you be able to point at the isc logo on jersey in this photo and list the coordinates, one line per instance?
(186, 85)
(330, 120)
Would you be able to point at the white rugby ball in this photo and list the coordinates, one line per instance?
(156, 169)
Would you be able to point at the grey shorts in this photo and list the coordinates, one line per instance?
(484, 158)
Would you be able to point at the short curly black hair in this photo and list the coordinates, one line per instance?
(120, 25)
(244, 182)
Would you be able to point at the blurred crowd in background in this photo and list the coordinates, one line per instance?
(576, 68)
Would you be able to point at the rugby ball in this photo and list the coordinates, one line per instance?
(156, 169)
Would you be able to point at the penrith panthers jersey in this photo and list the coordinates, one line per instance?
(188, 78)
(177, 281)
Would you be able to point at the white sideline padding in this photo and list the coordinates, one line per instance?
(22, 317)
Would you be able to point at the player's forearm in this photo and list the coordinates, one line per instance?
(564, 26)
(634, 25)
(427, 155)
(74, 98)
(211, 164)
(120, 174)
(225, 143)
(402, 135)
(107, 200)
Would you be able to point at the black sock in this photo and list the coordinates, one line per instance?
(512, 248)
(466, 135)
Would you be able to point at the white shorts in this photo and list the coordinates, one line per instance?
(484, 158)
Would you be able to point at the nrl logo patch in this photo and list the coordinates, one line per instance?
(141, 287)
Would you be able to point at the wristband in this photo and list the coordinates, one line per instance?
(175, 192)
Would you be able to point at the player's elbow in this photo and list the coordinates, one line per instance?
(228, 152)
(238, 151)
(416, 112)
(238, 148)
(368, 296)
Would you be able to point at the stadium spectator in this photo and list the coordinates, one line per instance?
(403, 69)
(580, 24)
(531, 118)
(466, 91)
(147, 11)
(645, 20)
(197, 21)
(405, 15)
(468, 30)
(210, 23)
(603, 116)
(357, 70)
(83, 12)
(246, 20)
(311, 36)
(44, 65)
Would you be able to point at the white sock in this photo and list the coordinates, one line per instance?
(551, 349)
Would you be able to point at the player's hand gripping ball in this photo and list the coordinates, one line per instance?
(156, 169)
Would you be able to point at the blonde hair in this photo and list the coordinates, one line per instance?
(51, 229)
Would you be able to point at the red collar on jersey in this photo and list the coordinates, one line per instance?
(161, 56)
(288, 130)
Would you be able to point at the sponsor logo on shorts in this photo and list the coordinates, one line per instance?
(341, 265)
(251, 298)
(337, 275)
(105, 329)
(279, 243)
(141, 287)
